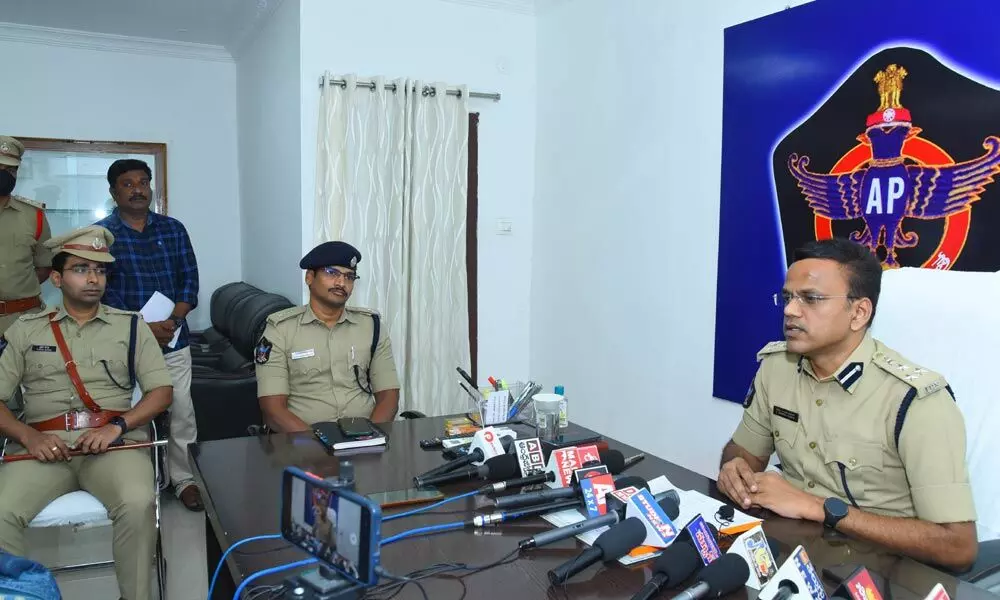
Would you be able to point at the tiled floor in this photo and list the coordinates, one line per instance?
(183, 543)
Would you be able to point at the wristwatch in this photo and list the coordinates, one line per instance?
(119, 421)
(834, 509)
(178, 321)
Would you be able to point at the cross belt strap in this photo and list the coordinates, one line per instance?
(74, 375)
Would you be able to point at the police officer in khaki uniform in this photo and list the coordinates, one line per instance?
(24, 260)
(869, 443)
(315, 362)
(86, 406)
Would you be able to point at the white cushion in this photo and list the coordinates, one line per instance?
(949, 322)
(75, 508)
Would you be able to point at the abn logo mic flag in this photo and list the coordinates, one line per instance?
(887, 135)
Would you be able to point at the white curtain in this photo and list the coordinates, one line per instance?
(391, 179)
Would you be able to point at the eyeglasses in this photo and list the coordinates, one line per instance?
(784, 298)
(337, 274)
(85, 270)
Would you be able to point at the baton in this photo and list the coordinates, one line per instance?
(112, 448)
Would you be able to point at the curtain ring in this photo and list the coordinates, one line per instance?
(429, 91)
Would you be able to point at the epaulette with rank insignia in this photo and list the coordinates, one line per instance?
(362, 310)
(118, 311)
(284, 315)
(37, 315)
(29, 202)
(772, 348)
(924, 381)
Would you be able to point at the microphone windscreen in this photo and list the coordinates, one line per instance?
(726, 575)
(631, 481)
(677, 563)
(504, 466)
(507, 441)
(613, 460)
(621, 539)
(670, 507)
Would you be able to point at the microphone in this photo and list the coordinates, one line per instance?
(609, 546)
(633, 460)
(498, 467)
(668, 504)
(554, 493)
(475, 455)
(612, 459)
(721, 577)
(503, 515)
(512, 484)
(786, 590)
(678, 562)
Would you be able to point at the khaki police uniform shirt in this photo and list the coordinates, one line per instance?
(300, 357)
(837, 436)
(31, 358)
(20, 253)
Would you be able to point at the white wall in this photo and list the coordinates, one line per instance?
(627, 215)
(270, 157)
(73, 93)
(487, 49)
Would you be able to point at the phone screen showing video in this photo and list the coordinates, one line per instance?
(328, 526)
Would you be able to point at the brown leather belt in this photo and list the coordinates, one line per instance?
(9, 307)
(77, 419)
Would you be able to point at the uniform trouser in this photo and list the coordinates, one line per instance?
(183, 429)
(121, 480)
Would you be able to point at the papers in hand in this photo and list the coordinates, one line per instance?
(159, 308)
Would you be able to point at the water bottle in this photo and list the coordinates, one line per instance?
(563, 407)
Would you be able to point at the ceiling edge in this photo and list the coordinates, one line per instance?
(85, 40)
(265, 10)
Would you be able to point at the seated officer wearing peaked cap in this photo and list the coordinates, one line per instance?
(326, 360)
(77, 364)
(869, 443)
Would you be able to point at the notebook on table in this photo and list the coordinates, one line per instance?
(334, 440)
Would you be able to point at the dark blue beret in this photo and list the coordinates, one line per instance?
(331, 254)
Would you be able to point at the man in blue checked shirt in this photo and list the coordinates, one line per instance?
(153, 253)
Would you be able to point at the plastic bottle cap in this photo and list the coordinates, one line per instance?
(560, 390)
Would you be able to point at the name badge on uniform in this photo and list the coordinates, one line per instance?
(303, 354)
(38, 348)
(787, 414)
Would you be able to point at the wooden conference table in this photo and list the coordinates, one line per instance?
(240, 481)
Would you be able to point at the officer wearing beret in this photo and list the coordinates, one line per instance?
(869, 443)
(326, 360)
(24, 260)
(74, 364)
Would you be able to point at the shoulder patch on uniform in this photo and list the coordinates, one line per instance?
(29, 202)
(749, 398)
(3, 344)
(772, 348)
(284, 315)
(925, 381)
(262, 351)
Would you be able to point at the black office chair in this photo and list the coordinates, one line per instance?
(224, 389)
(208, 344)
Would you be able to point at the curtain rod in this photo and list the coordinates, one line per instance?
(494, 96)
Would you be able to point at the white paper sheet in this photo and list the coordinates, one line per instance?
(159, 308)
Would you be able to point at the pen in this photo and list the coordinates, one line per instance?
(494, 383)
(474, 397)
(466, 376)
